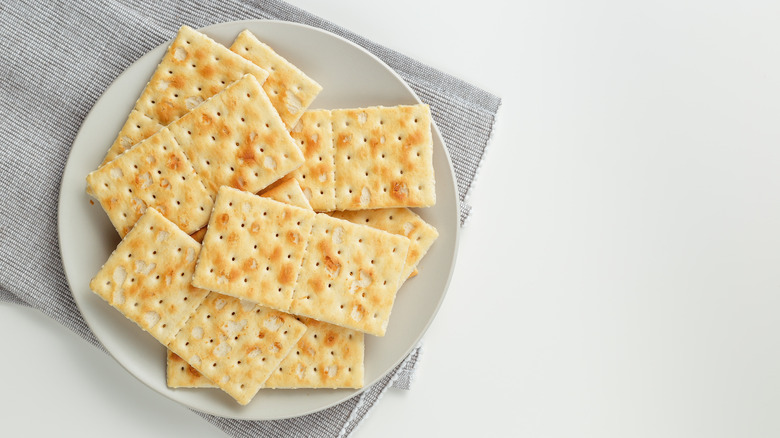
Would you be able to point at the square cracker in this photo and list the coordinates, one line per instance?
(154, 173)
(236, 344)
(317, 176)
(383, 157)
(327, 356)
(194, 68)
(289, 192)
(290, 90)
(350, 275)
(253, 248)
(147, 277)
(401, 221)
(237, 139)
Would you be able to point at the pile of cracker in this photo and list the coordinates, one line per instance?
(260, 240)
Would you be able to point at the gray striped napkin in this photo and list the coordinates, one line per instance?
(59, 57)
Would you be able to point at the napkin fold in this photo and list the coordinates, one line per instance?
(58, 57)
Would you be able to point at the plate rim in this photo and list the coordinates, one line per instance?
(456, 213)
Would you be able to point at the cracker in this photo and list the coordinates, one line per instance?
(180, 374)
(290, 90)
(236, 344)
(154, 173)
(383, 157)
(288, 192)
(401, 221)
(317, 176)
(194, 68)
(350, 275)
(253, 248)
(327, 356)
(237, 139)
(147, 277)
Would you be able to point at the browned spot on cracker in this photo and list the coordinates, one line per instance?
(223, 219)
(343, 138)
(234, 274)
(399, 190)
(166, 111)
(331, 264)
(330, 339)
(276, 254)
(238, 181)
(192, 371)
(250, 264)
(413, 138)
(177, 82)
(207, 71)
(316, 285)
(174, 162)
(286, 274)
(247, 153)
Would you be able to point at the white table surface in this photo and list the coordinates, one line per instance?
(619, 275)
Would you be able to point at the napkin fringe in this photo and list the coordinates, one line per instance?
(467, 197)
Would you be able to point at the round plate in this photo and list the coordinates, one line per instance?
(350, 77)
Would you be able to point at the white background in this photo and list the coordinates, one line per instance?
(619, 275)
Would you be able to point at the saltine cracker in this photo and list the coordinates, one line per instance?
(291, 91)
(253, 248)
(383, 157)
(147, 277)
(401, 221)
(350, 275)
(236, 344)
(154, 173)
(237, 139)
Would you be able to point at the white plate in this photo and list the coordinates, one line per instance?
(351, 77)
